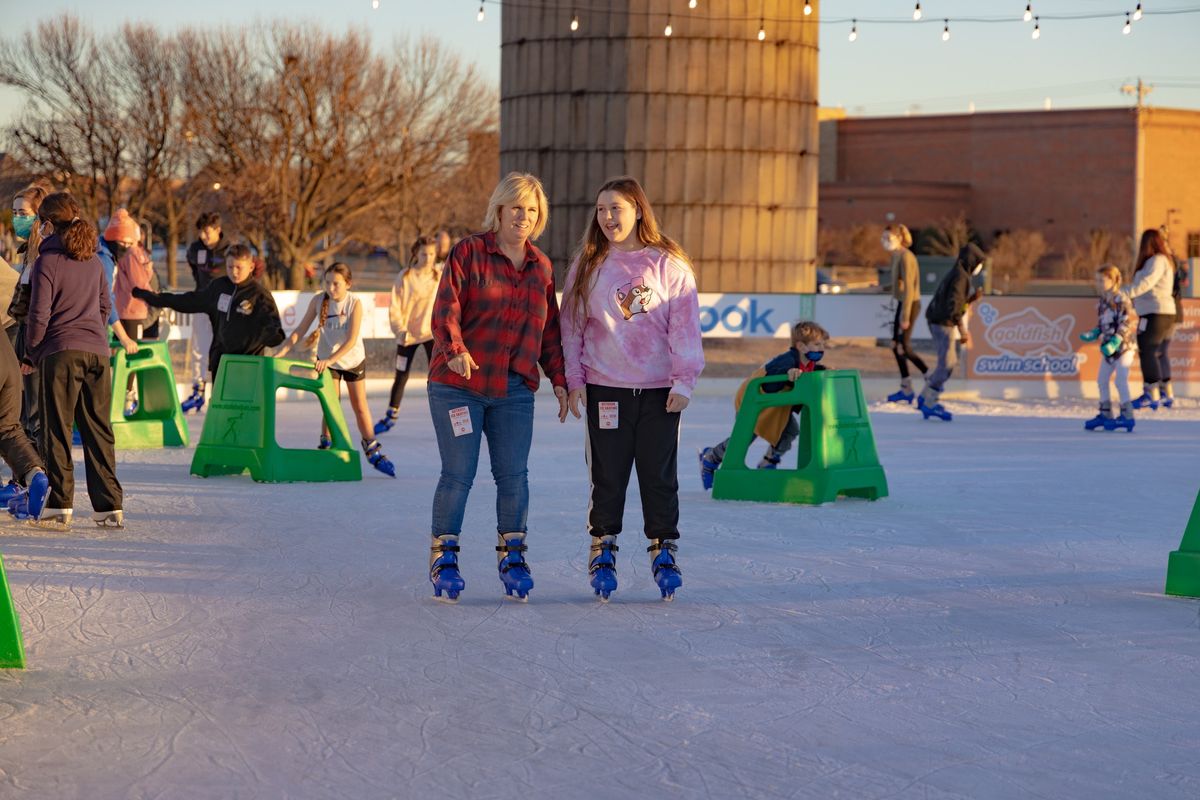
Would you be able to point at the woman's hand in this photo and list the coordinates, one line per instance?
(28, 369)
(676, 403)
(577, 400)
(561, 393)
(321, 364)
(129, 345)
(462, 364)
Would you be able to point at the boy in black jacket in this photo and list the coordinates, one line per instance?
(947, 311)
(245, 318)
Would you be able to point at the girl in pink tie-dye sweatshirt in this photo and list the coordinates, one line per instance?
(631, 338)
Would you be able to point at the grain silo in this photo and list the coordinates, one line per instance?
(720, 127)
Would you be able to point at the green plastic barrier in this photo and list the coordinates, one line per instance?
(1183, 565)
(835, 449)
(158, 421)
(12, 653)
(239, 429)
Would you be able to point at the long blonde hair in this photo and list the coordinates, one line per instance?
(513, 188)
(594, 245)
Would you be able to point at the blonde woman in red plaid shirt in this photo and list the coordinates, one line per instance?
(495, 320)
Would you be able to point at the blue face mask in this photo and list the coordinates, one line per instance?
(814, 355)
(23, 226)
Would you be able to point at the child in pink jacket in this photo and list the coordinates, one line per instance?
(631, 338)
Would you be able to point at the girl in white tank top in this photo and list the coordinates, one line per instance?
(338, 337)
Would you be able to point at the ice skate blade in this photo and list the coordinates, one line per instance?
(450, 598)
(517, 598)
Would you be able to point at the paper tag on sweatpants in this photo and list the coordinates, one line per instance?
(401, 363)
(460, 420)
(201, 256)
(1142, 323)
(608, 416)
(223, 302)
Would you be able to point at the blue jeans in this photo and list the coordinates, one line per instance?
(947, 357)
(507, 422)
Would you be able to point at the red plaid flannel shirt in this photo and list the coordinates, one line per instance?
(507, 319)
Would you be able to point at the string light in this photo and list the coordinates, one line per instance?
(807, 8)
(762, 31)
(917, 12)
(1137, 12)
(946, 31)
(1028, 15)
(1128, 26)
(667, 31)
(853, 30)
(375, 4)
(575, 22)
(1037, 28)
(691, 3)
(479, 16)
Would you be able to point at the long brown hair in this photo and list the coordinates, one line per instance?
(34, 194)
(419, 243)
(1153, 244)
(337, 268)
(79, 236)
(594, 245)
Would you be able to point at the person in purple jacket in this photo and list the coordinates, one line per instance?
(67, 345)
(631, 339)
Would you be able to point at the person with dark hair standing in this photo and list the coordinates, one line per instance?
(906, 292)
(245, 317)
(68, 347)
(411, 318)
(206, 258)
(1151, 292)
(947, 312)
(631, 339)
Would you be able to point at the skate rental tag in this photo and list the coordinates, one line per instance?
(223, 302)
(201, 256)
(460, 420)
(401, 363)
(608, 416)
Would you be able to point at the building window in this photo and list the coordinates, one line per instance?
(1193, 244)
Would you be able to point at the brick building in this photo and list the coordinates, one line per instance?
(1064, 173)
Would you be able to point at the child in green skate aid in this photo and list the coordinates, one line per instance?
(778, 425)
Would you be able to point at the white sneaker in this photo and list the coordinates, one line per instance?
(109, 519)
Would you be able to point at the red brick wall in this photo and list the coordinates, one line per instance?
(1172, 173)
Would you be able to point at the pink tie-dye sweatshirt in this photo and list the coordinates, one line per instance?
(642, 325)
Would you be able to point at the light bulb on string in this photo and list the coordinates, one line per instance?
(762, 31)
(1037, 29)
(375, 4)
(807, 8)
(946, 31)
(691, 3)
(853, 30)
(1028, 15)
(917, 12)
(1128, 25)
(479, 16)
(667, 31)
(1137, 12)
(575, 22)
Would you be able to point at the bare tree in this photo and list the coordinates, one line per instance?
(1080, 259)
(1013, 257)
(949, 236)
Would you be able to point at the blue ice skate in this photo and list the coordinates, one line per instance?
(376, 458)
(389, 420)
(935, 410)
(324, 443)
(603, 566)
(443, 568)
(1123, 420)
(666, 572)
(1102, 419)
(708, 466)
(1146, 400)
(514, 572)
(902, 396)
(9, 491)
(196, 401)
(35, 496)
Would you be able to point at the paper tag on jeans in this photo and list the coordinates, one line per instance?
(223, 303)
(401, 363)
(608, 416)
(460, 420)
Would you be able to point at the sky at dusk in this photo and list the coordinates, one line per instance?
(892, 68)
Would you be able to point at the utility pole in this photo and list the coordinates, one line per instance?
(1140, 91)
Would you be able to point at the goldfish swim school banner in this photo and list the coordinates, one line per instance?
(1037, 338)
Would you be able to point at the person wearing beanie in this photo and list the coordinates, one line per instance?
(948, 311)
(134, 270)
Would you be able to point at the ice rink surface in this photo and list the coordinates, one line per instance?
(993, 629)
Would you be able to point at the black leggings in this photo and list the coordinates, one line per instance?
(1154, 332)
(902, 342)
(406, 352)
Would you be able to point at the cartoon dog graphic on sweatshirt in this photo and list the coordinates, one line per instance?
(634, 298)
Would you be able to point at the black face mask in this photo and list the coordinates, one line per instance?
(118, 250)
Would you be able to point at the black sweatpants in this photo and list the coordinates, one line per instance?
(646, 436)
(15, 446)
(1154, 332)
(902, 341)
(406, 352)
(77, 385)
(31, 393)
